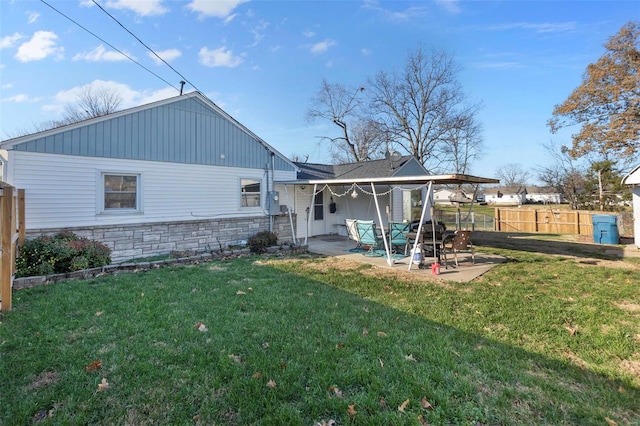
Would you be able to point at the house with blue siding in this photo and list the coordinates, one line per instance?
(177, 174)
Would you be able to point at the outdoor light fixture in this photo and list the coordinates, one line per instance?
(275, 197)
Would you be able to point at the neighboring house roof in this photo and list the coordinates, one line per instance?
(189, 129)
(364, 169)
(505, 190)
(541, 190)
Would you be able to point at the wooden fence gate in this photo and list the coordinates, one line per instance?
(12, 234)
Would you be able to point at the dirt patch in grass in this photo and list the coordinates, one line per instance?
(345, 265)
(44, 379)
(631, 366)
(628, 306)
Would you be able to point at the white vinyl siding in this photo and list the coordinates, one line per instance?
(62, 190)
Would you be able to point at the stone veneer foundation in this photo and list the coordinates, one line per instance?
(133, 241)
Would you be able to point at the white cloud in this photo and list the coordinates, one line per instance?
(411, 13)
(168, 55)
(100, 54)
(16, 98)
(217, 9)
(452, 6)
(220, 57)
(497, 65)
(32, 16)
(6, 86)
(140, 7)
(365, 52)
(308, 33)
(86, 3)
(544, 27)
(130, 97)
(41, 45)
(322, 46)
(9, 41)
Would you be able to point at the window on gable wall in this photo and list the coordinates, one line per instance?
(121, 192)
(250, 192)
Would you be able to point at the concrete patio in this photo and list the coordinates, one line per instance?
(339, 246)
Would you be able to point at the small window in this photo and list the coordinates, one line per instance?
(250, 192)
(318, 206)
(121, 192)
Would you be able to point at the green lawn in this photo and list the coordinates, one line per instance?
(538, 340)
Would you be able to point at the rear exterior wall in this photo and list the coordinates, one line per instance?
(134, 241)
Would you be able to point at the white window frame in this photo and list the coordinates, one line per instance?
(102, 193)
(260, 197)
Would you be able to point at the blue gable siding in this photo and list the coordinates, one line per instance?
(187, 130)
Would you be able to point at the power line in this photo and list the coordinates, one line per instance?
(145, 45)
(111, 46)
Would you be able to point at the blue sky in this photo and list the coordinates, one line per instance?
(262, 61)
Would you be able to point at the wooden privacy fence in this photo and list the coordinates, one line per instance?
(544, 221)
(12, 234)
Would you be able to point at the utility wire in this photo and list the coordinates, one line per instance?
(145, 45)
(111, 46)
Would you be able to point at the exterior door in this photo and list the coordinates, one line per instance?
(318, 222)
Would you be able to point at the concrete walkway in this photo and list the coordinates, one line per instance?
(338, 246)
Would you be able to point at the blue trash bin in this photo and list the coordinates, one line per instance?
(605, 229)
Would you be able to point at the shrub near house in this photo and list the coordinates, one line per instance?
(63, 252)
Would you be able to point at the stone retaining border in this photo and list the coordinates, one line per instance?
(30, 282)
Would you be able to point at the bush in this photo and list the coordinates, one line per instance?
(63, 252)
(259, 242)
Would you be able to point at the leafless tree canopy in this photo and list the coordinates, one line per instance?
(563, 174)
(92, 102)
(359, 138)
(424, 110)
(607, 103)
(512, 175)
(420, 110)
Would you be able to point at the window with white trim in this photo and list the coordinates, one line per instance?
(250, 192)
(121, 192)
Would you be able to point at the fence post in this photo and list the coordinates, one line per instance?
(22, 229)
(6, 263)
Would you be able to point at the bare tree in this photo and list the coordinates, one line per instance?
(512, 175)
(563, 174)
(359, 138)
(92, 102)
(423, 108)
(462, 143)
(607, 102)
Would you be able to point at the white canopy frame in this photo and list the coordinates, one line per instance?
(398, 180)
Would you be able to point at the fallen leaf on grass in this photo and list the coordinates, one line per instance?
(240, 292)
(410, 358)
(256, 375)
(236, 358)
(271, 384)
(381, 334)
(336, 391)
(265, 345)
(422, 421)
(201, 327)
(331, 422)
(383, 403)
(425, 404)
(95, 365)
(104, 385)
(381, 363)
(365, 332)
(352, 410)
(340, 345)
(610, 422)
(99, 313)
(403, 406)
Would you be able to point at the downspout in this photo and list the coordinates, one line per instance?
(273, 188)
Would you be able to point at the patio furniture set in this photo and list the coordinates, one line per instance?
(434, 241)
